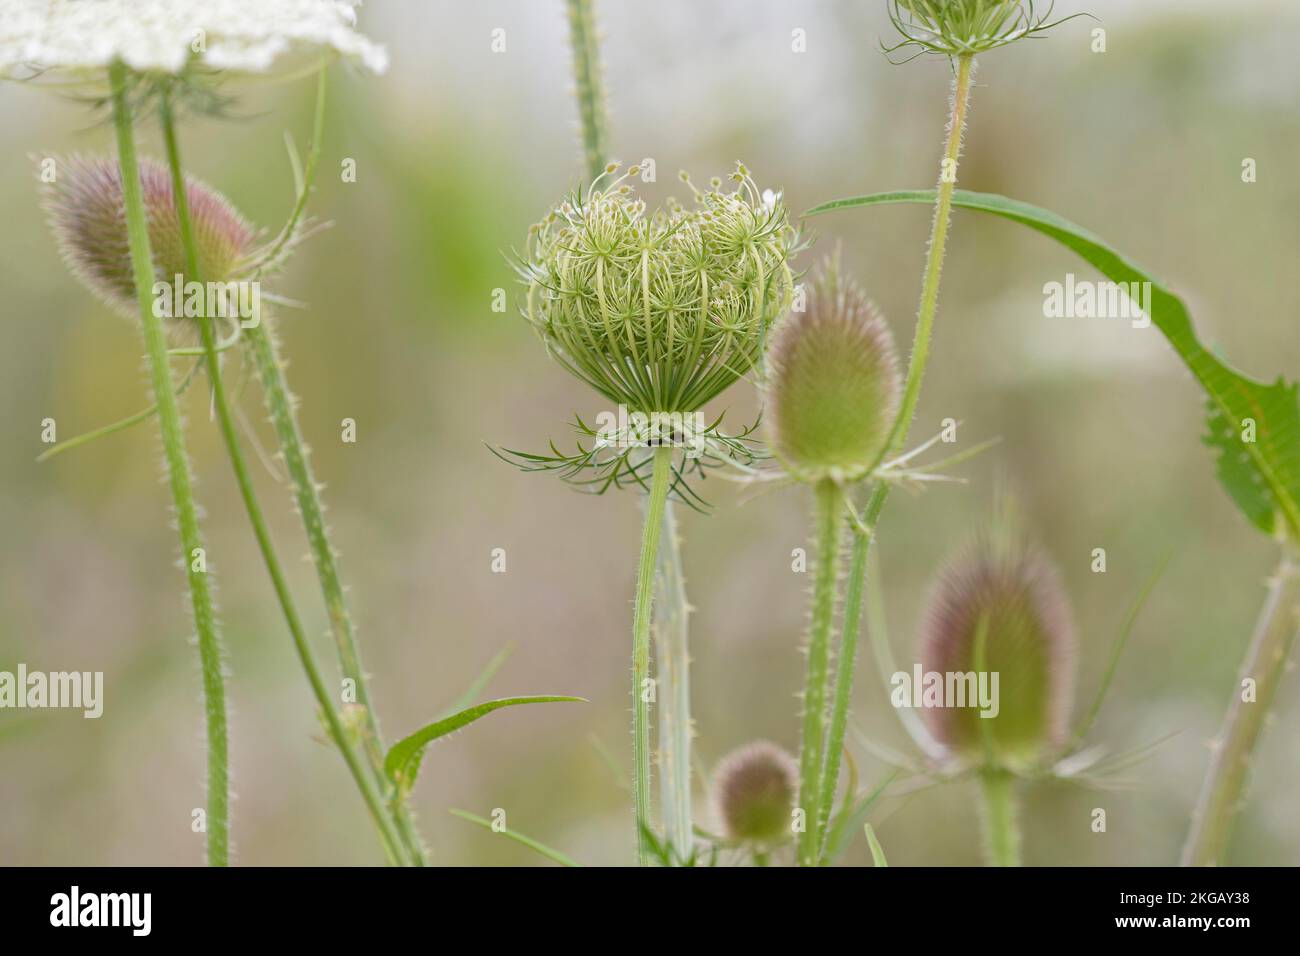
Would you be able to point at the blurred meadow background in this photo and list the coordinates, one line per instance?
(458, 149)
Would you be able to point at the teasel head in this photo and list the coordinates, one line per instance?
(833, 383)
(968, 27)
(659, 311)
(87, 215)
(754, 791)
(1000, 607)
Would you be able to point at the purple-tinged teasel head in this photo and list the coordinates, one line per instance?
(1000, 607)
(834, 384)
(87, 214)
(754, 790)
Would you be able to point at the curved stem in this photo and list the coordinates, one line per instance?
(279, 403)
(934, 261)
(1265, 662)
(230, 435)
(829, 521)
(911, 393)
(672, 671)
(1001, 828)
(178, 472)
(660, 482)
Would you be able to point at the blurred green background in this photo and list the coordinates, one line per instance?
(457, 151)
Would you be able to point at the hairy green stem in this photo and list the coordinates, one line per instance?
(672, 620)
(934, 261)
(284, 419)
(660, 482)
(282, 408)
(230, 436)
(844, 664)
(588, 85)
(178, 472)
(672, 672)
(1265, 662)
(829, 516)
(1001, 827)
(902, 424)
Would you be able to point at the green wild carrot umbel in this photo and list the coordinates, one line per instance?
(659, 312)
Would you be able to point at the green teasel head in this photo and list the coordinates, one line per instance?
(1000, 608)
(754, 791)
(660, 311)
(834, 386)
(87, 214)
(968, 27)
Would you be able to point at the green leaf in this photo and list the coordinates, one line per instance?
(850, 819)
(527, 841)
(1263, 476)
(402, 764)
(482, 680)
(877, 852)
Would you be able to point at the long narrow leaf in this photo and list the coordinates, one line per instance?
(1261, 476)
(403, 761)
(527, 841)
(850, 819)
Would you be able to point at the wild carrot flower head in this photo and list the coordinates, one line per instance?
(958, 27)
(171, 36)
(659, 311)
(833, 388)
(754, 790)
(87, 214)
(1000, 608)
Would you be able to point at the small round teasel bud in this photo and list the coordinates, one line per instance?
(659, 311)
(87, 215)
(1000, 608)
(833, 387)
(754, 789)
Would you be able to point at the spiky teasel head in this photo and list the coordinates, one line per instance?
(87, 214)
(1000, 607)
(659, 311)
(833, 384)
(754, 790)
(968, 27)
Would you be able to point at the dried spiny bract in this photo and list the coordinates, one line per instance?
(967, 27)
(87, 215)
(659, 311)
(1000, 608)
(834, 384)
(754, 790)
